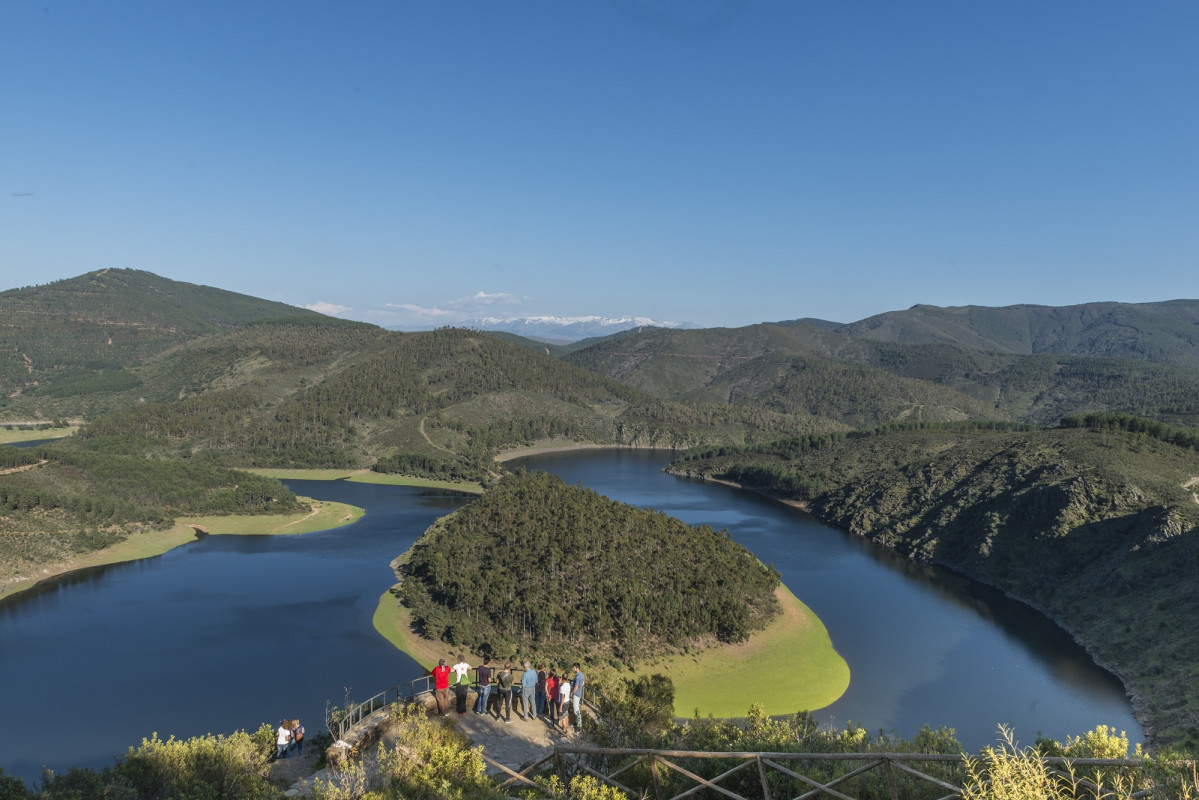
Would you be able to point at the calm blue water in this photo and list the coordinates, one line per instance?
(229, 632)
(923, 645)
(220, 634)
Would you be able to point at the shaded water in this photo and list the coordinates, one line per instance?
(228, 632)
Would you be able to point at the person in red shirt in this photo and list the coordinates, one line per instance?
(441, 687)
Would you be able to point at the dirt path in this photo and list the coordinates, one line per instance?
(286, 771)
(315, 510)
(11, 470)
(430, 441)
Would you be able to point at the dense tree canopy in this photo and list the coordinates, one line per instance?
(540, 566)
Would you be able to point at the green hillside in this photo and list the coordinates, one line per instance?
(797, 367)
(1097, 525)
(1162, 333)
(67, 345)
(277, 395)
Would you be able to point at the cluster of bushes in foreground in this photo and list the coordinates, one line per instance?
(211, 767)
(428, 758)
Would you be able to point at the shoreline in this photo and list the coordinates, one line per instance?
(325, 516)
(363, 476)
(566, 447)
(1137, 701)
(795, 639)
(49, 434)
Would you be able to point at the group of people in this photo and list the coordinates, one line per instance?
(541, 694)
(289, 738)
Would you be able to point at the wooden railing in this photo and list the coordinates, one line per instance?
(658, 766)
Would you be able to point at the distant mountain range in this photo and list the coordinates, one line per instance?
(552, 328)
(1164, 332)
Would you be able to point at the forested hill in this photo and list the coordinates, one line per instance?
(1096, 523)
(65, 341)
(1163, 333)
(539, 567)
(860, 381)
(785, 369)
(442, 402)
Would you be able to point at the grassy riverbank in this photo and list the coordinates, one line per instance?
(16, 435)
(366, 476)
(790, 666)
(324, 515)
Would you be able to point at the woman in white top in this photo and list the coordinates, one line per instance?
(564, 702)
(282, 740)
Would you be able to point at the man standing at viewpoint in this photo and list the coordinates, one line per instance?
(441, 687)
(484, 686)
(528, 692)
(576, 695)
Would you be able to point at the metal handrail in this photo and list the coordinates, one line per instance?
(356, 713)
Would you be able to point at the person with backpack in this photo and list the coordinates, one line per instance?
(504, 681)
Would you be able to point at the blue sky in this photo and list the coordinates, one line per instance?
(721, 163)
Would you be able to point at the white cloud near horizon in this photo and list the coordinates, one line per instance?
(329, 309)
(458, 308)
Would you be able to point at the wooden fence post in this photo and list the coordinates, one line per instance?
(892, 787)
(762, 775)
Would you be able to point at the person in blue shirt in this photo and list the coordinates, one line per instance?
(528, 692)
(576, 695)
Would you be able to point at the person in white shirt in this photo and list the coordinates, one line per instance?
(461, 669)
(282, 740)
(564, 703)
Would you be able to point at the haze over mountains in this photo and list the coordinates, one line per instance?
(553, 328)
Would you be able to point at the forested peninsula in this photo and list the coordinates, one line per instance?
(539, 567)
(1092, 522)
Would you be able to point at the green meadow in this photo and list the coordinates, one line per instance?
(365, 476)
(790, 666)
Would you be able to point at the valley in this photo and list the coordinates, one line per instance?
(182, 388)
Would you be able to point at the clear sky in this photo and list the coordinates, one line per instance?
(720, 163)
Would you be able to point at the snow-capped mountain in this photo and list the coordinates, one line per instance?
(569, 329)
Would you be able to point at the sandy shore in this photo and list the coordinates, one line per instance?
(566, 447)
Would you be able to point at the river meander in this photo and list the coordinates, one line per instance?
(231, 631)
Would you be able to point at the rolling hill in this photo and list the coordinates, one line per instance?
(1161, 333)
(864, 382)
(67, 347)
